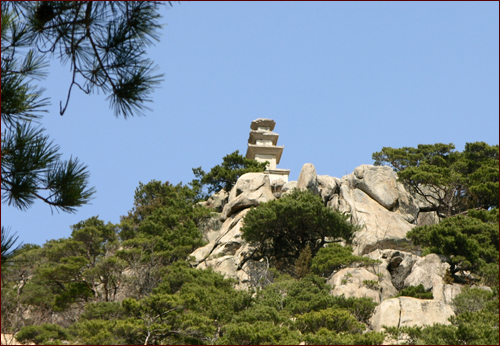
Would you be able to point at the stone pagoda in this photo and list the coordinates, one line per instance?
(262, 147)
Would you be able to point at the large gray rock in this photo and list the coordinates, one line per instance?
(228, 236)
(250, 190)
(393, 269)
(288, 188)
(407, 205)
(379, 182)
(218, 200)
(308, 179)
(352, 282)
(380, 228)
(429, 271)
(427, 218)
(277, 186)
(407, 311)
(327, 186)
(228, 253)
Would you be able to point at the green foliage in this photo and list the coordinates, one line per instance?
(481, 169)
(416, 292)
(450, 181)
(162, 228)
(225, 175)
(361, 308)
(31, 165)
(303, 263)
(8, 250)
(327, 337)
(73, 270)
(334, 257)
(104, 44)
(372, 284)
(339, 320)
(282, 228)
(475, 299)
(45, 334)
(259, 333)
(469, 242)
(311, 293)
(103, 311)
(99, 332)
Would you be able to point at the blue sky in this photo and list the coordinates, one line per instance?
(341, 80)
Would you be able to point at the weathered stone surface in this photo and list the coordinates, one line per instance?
(450, 292)
(211, 227)
(277, 185)
(407, 311)
(288, 188)
(387, 313)
(225, 265)
(407, 205)
(379, 182)
(429, 271)
(250, 190)
(327, 186)
(351, 282)
(308, 179)
(228, 227)
(218, 200)
(394, 267)
(427, 218)
(381, 228)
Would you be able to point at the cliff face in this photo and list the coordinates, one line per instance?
(384, 209)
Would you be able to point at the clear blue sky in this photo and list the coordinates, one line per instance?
(341, 80)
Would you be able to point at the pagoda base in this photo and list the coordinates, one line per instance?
(277, 173)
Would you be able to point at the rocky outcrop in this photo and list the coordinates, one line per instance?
(407, 311)
(250, 190)
(356, 282)
(378, 182)
(380, 228)
(308, 179)
(277, 186)
(430, 272)
(288, 187)
(227, 253)
(383, 209)
(328, 186)
(427, 218)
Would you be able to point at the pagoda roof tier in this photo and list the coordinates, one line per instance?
(262, 122)
(264, 150)
(255, 134)
(280, 171)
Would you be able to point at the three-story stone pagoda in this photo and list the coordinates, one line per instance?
(262, 147)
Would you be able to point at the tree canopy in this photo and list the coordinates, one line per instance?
(469, 242)
(282, 228)
(225, 175)
(450, 181)
(104, 44)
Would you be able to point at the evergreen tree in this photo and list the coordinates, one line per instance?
(225, 175)
(8, 240)
(104, 44)
(470, 242)
(31, 163)
(450, 181)
(282, 228)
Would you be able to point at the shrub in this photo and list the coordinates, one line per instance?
(416, 292)
(281, 229)
(334, 257)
